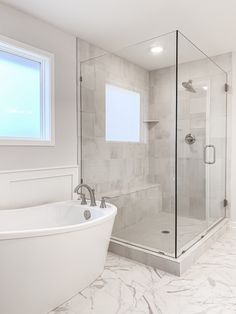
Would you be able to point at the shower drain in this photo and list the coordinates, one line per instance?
(165, 231)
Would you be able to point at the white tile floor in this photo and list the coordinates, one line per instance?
(126, 287)
(148, 232)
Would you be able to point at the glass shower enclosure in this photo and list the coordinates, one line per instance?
(153, 140)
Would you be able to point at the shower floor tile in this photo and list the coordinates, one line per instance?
(148, 233)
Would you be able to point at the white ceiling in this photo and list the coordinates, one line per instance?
(141, 55)
(113, 24)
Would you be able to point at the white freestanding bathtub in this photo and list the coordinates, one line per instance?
(49, 253)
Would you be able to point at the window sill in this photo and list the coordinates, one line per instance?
(24, 142)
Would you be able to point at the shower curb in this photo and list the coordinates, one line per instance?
(175, 266)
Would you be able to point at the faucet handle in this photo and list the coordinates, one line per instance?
(103, 201)
(83, 198)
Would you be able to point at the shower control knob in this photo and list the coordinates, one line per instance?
(190, 139)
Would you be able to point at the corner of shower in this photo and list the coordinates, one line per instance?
(153, 139)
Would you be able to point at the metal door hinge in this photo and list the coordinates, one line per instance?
(226, 87)
(81, 79)
(225, 202)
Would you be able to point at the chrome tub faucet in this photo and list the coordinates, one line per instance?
(91, 193)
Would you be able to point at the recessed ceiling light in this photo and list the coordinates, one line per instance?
(156, 49)
(205, 87)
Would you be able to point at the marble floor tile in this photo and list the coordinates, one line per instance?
(208, 287)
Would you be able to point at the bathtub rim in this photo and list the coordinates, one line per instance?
(110, 213)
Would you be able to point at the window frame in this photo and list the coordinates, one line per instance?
(47, 104)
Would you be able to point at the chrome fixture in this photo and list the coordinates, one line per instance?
(90, 190)
(83, 198)
(188, 86)
(205, 154)
(190, 139)
(103, 201)
(87, 214)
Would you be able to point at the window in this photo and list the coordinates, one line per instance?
(122, 114)
(26, 103)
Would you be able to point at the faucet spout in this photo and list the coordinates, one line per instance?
(90, 190)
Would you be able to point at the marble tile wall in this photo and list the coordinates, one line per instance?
(192, 117)
(137, 205)
(162, 135)
(215, 128)
(115, 168)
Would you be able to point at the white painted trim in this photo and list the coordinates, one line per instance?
(38, 169)
(29, 187)
(26, 142)
(47, 103)
(23, 49)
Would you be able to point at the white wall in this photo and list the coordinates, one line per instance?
(29, 30)
(51, 162)
(31, 169)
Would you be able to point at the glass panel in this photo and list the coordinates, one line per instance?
(139, 177)
(138, 168)
(201, 137)
(20, 112)
(216, 152)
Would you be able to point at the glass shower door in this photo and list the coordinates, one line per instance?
(201, 144)
(215, 150)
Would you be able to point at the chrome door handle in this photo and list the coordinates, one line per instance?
(205, 154)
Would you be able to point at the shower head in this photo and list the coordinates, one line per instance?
(188, 86)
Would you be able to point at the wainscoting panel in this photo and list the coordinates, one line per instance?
(23, 188)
